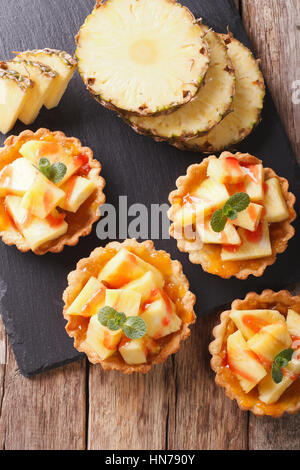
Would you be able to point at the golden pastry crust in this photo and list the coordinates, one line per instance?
(79, 223)
(289, 402)
(177, 287)
(280, 233)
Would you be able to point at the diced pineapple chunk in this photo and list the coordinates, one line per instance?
(243, 362)
(42, 197)
(145, 285)
(101, 340)
(270, 341)
(134, 351)
(160, 317)
(293, 323)
(124, 300)
(228, 236)
(275, 205)
(125, 267)
(225, 170)
(17, 177)
(36, 231)
(253, 185)
(77, 190)
(249, 218)
(252, 247)
(270, 392)
(250, 322)
(188, 215)
(34, 150)
(211, 195)
(89, 300)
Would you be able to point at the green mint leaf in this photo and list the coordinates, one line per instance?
(218, 221)
(232, 214)
(284, 357)
(45, 167)
(116, 322)
(58, 171)
(105, 314)
(238, 202)
(134, 327)
(277, 374)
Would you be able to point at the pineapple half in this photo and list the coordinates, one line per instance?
(247, 103)
(142, 56)
(212, 102)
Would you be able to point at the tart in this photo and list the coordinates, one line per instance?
(44, 208)
(249, 341)
(136, 281)
(250, 240)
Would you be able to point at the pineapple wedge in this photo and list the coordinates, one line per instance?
(270, 341)
(14, 91)
(211, 195)
(144, 57)
(124, 300)
(228, 236)
(35, 231)
(136, 351)
(146, 286)
(252, 247)
(17, 177)
(125, 267)
(89, 300)
(77, 190)
(43, 77)
(293, 323)
(254, 182)
(243, 362)
(189, 215)
(225, 170)
(42, 197)
(160, 317)
(101, 340)
(270, 392)
(60, 61)
(250, 322)
(250, 217)
(275, 205)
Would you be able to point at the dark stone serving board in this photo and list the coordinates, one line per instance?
(133, 165)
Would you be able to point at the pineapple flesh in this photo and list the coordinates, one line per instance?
(270, 341)
(124, 300)
(210, 195)
(293, 323)
(101, 340)
(275, 205)
(247, 103)
(89, 300)
(142, 56)
(270, 392)
(211, 104)
(250, 322)
(228, 236)
(17, 177)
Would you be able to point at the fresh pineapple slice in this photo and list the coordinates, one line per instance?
(101, 340)
(247, 103)
(275, 205)
(254, 245)
(250, 217)
(270, 392)
(35, 231)
(254, 182)
(225, 170)
(124, 300)
(42, 197)
(14, 91)
(270, 341)
(60, 61)
(142, 57)
(188, 215)
(43, 77)
(89, 300)
(146, 286)
(160, 317)
(77, 190)
(243, 362)
(136, 351)
(293, 323)
(125, 267)
(33, 150)
(210, 195)
(17, 177)
(250, 322)
(210, 105)
(228, 236)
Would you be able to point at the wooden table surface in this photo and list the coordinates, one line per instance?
(177, 405)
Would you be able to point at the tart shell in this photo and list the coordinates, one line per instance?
(289, 402)
(79, 223)
(177, 288)
(280, 233)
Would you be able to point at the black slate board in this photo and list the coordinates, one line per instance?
(132, 165)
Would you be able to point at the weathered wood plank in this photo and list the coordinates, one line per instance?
(46, 412)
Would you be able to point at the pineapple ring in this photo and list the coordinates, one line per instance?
(247, 104)
(176, 285)
(289, 402)
(143, 57)
(209, 256)
(79, 223)
(211, 104)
